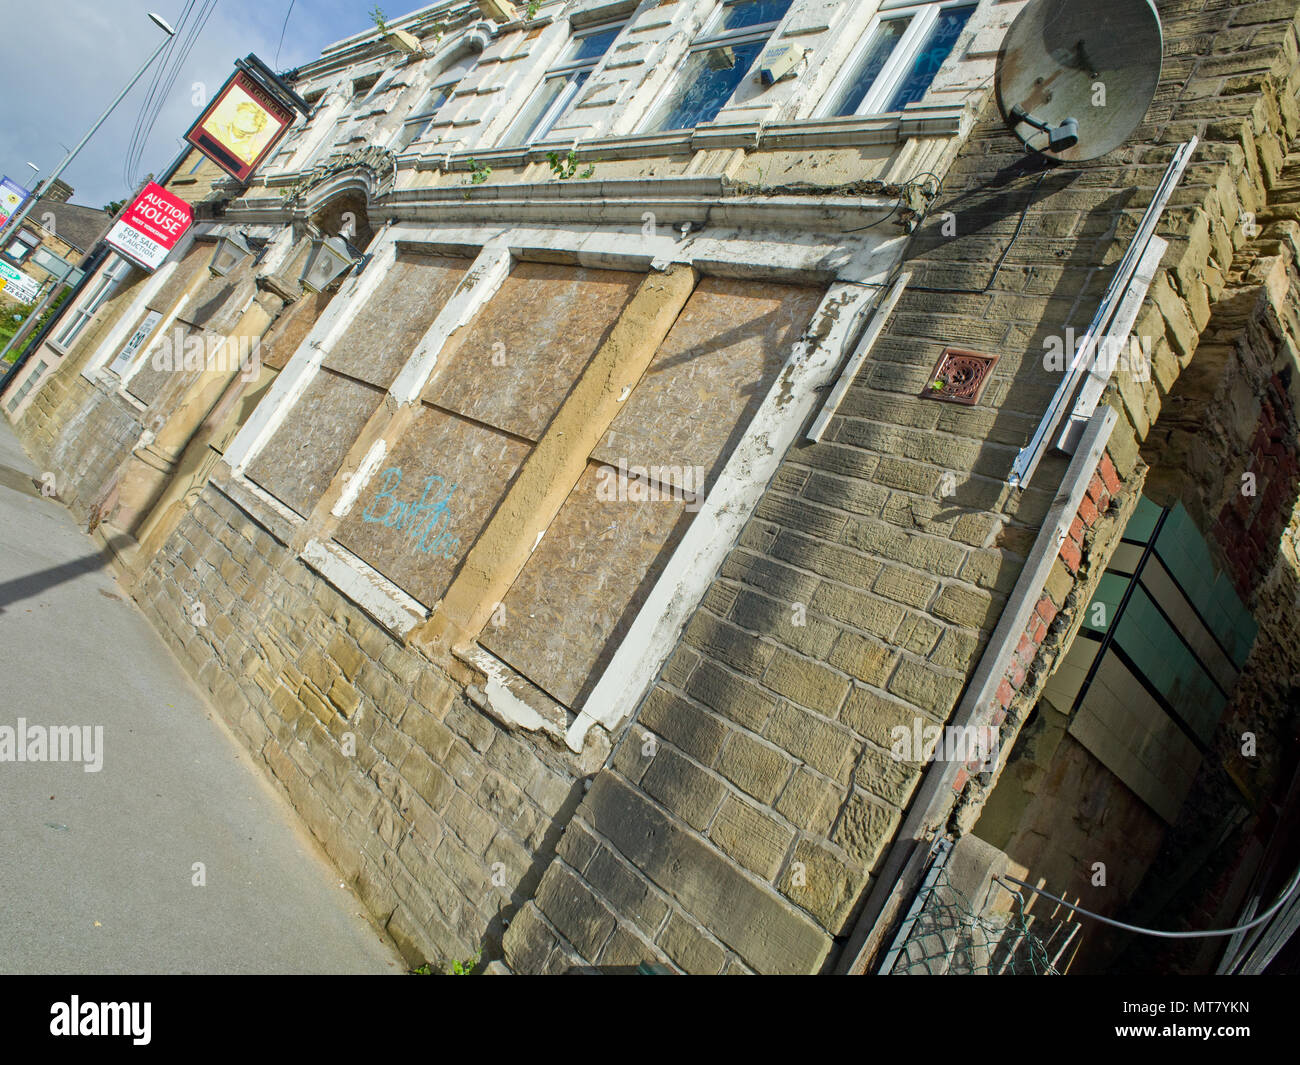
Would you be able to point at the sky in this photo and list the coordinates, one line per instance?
(65, 61)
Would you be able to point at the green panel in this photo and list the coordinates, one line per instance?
(1110, 590)
(1143, 522)
(1165, 660)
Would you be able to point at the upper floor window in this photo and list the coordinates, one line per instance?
(423, 113)
(898, 59)
(561, 86)
(21, 246)
(718, 63)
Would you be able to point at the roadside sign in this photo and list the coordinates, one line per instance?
(151, 226)
(18, 285)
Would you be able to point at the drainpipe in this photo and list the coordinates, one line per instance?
(936, 796)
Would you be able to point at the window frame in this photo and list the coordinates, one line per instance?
(576, 73)
(424, 118)
(922, 18)
(106, 286)
(712, 37)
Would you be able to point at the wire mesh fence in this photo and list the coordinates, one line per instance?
(946, 933)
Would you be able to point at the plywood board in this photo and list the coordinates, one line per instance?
(520, 357)
(577, 595)
(299, 461)
(379, 340)
(429, 500)
(162, 376)
(291, 328)
(709, 376)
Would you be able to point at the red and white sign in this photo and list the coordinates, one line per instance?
(151, 226)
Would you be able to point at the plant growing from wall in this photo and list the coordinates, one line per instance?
(377, 16)
(533, 5)
(566, 166)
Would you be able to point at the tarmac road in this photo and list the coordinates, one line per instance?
(98, 869)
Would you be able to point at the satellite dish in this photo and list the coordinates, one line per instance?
(1075, 77)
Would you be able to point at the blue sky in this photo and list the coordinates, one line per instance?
(65, 60)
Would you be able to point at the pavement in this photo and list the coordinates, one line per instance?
(100, 871)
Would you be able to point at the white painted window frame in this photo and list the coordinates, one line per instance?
(110, 278)
(709, 39)
(424, 118)
(923, 18)
(571, 71)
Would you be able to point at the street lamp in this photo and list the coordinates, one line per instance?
(161, 23)
(329, 257)
(230, 251)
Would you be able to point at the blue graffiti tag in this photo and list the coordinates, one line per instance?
(423, 521)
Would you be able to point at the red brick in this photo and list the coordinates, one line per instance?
(1016, 674)
(1047, 610)
(1071, 555)
(1095, 488)
(1005, 694)
(959, 781)
(1109, 475)
(1037, 630)
(1076, 530)
(1088, 510)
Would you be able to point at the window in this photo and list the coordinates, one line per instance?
(23, 244)
(718, 63)
(103, 288)
(560, 88)
(422, 115)
(26, 386)
(898, 59)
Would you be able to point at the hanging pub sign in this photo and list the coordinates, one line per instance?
(150, 227)
(241, 125)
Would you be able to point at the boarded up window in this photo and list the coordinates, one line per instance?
(709, 376)
(523, 353)
(579, 592)
(494, 392)
(167, 369)
(176, 356)
(379, 340)
(568, 610)
(291, 328)
(300, 460)
(435, 492)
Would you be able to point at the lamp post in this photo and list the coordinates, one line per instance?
(17, 219)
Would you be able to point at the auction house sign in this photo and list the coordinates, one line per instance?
(241, 126)
(151, 227)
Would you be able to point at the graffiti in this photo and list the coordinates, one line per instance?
(424, 521)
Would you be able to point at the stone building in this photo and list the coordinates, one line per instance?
(55, 228)
(579, 557)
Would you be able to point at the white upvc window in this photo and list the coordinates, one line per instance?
(101, 291)
(897, 58)
(423, 114)
(563, 82)
(717, 64)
